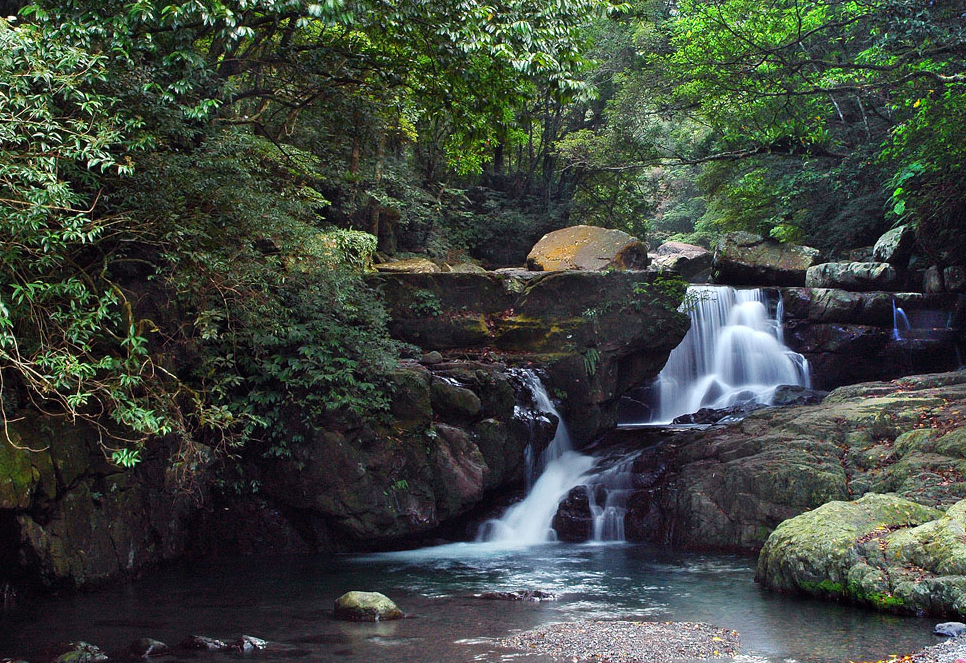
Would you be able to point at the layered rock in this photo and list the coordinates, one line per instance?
(881, 550)
(742, 258)
(598, 334)
(851, 336)
(729, 487)
(853, 276)
(587, 248)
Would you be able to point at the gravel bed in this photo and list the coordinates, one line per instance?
(944, 652)
(627, 642)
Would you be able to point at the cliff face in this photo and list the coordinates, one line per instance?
(456, 436)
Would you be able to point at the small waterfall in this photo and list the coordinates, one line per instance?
(899, 319)
(732, 354)
(554, 473)
(608, 493)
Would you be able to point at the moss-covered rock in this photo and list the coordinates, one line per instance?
(366, 607)
(587, 248)
(742, 258)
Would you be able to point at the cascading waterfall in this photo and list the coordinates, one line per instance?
(732, 354)
(556, 472)
(608, 492)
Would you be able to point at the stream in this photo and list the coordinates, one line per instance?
(289, 601)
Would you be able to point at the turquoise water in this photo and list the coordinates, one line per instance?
(289, 600)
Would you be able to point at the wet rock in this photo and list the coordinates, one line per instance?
(533, 595)
(686, 260)
(742, 258)
(204, 643)
(573, 521)
(147, 647)
(81, 652)
(365, 607)
(853, 276)
(249, 643)
(955, 279)
(410, 265)
(949, 629)
(895, 247)
(932, 280)
(452, 401)
(788, 394)
(587, 248)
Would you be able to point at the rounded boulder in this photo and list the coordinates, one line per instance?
(366, 607)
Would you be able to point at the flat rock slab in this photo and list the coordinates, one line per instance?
(627, 642)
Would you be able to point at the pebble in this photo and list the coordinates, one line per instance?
(944, 652)
(627, 642)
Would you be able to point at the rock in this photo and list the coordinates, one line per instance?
(248, 643)
(203, 643)
(431, 358)
(573, 521)
(454, 402)
(853, 276)
(949, 629)
(955, 278)
(587, 248)
(787, 394)
(467, 268)
(410, 266)
(686, 260)
(728, 488)
(81, 652)
(533, 595)
(863, 254)
(742, 258)
(365, 607)
(147, 647)
(895, 247)
(932, 280)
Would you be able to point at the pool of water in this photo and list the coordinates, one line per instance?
(289, 601)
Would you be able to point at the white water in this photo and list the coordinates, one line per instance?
(557, 471)
(608, 492)
(732, 354)
(899, 319)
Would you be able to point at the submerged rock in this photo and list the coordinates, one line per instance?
(204, 643)
(587, 248)
(81, 652)
(365, 607)
(532, 595)
(148, 647)
(249, 643)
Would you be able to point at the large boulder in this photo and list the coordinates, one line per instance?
(880, 550)
(895, 247)
(743, 258)
(853, 276)
(685, 260)
(587, 248)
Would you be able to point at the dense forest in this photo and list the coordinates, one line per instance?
(191, 193)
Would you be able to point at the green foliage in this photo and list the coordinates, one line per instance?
(66, 329)
(426, 304)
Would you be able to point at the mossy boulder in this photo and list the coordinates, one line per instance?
(742, 258)
(881, 550)
(366, 607)
(587, 248)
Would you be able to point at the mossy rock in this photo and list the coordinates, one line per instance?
(366, 607)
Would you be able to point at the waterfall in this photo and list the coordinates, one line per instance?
(607, 493)
(899, 319)
(555, 472)
(732, 354)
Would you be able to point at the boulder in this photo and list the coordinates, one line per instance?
(895, 247)
(366, 607)
(80, 652)
(949, 629)
(573, 520)
(955, 279)
(587, 248)
(454, 402)
(204, 643)
(686, 260)
(410, 266)
(932, 280)
(248, 643)
(854, 550)
(742, 258)
(853, 276)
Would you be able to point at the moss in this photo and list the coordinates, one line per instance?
(826, 587)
